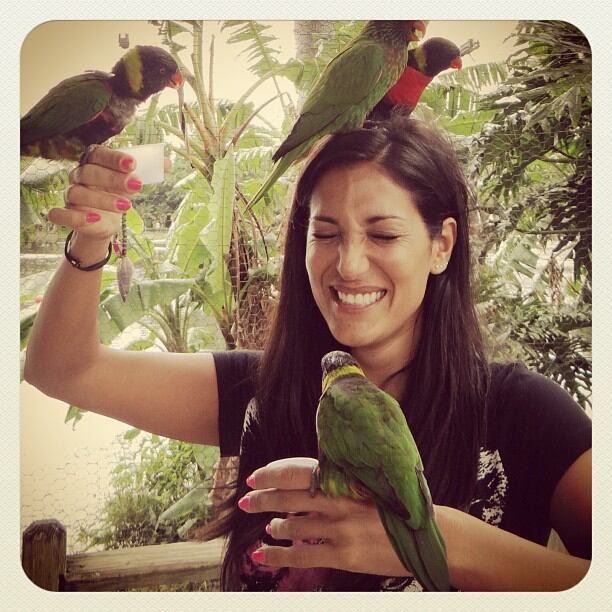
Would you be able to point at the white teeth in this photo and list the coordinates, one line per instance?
(360, 299)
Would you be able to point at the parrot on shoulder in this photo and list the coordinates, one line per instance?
(366, 450)
(91, 107)
(424, 63)
(347, 90)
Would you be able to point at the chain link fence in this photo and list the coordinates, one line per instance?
(74, 493)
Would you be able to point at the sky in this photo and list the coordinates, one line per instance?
(56, 50)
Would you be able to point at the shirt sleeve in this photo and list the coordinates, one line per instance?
(542, 431)
(236, 372)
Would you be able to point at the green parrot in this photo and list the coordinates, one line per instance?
(91, 107)
(366, 450)
(425, 62)
(347, 90)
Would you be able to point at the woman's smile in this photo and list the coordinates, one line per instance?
(356, 300)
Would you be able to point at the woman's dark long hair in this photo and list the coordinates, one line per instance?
(447, 377)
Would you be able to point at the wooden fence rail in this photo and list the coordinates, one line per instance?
(46, 563)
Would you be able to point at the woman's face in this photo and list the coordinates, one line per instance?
(368, 257)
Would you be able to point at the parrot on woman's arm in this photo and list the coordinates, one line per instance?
(347, 90)
(91, 107)
(366, 450)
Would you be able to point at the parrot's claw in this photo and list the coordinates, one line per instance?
(84, 159)
(314, 481)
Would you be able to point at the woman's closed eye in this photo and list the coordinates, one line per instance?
(384, 237)
(324, 235)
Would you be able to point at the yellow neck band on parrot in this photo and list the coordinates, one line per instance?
(420, 58)
(133, 69)
(343, 371)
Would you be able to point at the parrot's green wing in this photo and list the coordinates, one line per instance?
(371, 441)
(70, 104)
(341, 94)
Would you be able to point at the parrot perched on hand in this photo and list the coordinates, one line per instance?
(425, 62)
(366, 450)
(91, 107)
(347, 90)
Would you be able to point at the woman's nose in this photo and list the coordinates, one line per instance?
(352, 259)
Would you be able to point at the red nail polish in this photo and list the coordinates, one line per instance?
(122, 204)
(251, 481)
(134, 184)
(244, 503)
(269, 529)
(92, 217)
(258, 556)
(127, 164)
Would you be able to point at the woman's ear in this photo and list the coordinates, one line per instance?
(443, 245)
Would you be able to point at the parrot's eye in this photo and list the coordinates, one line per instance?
(162, 71)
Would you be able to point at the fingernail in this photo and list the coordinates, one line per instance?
(127, 164)
(269, 529)
(122, 204)
(244, 503)
(251, 481)
(258, 556)
(134, 184)
(92, 217)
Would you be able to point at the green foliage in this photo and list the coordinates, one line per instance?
(532, 163)
(211, 236)
(160, 491)
(253, 35)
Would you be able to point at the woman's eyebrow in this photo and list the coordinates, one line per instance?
(324, 219)
(377, 218)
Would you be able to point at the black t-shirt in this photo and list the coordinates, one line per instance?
(535, 432)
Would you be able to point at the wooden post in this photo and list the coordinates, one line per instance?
(43, 554)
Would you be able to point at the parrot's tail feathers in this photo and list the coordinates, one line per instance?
(281, 165)
(402, 539)
(421, 551)
(278, 170)
(433, 554)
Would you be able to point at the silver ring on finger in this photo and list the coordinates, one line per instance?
(67, 195)
(74, 176)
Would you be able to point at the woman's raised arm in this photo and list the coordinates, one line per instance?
(172, 394)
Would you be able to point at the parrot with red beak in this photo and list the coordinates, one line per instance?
(424, 63)
(91, 107)
(351, 85)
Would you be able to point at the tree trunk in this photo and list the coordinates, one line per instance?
(306, 33)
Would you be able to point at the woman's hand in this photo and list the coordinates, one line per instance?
(99, 192)
(352, 533)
